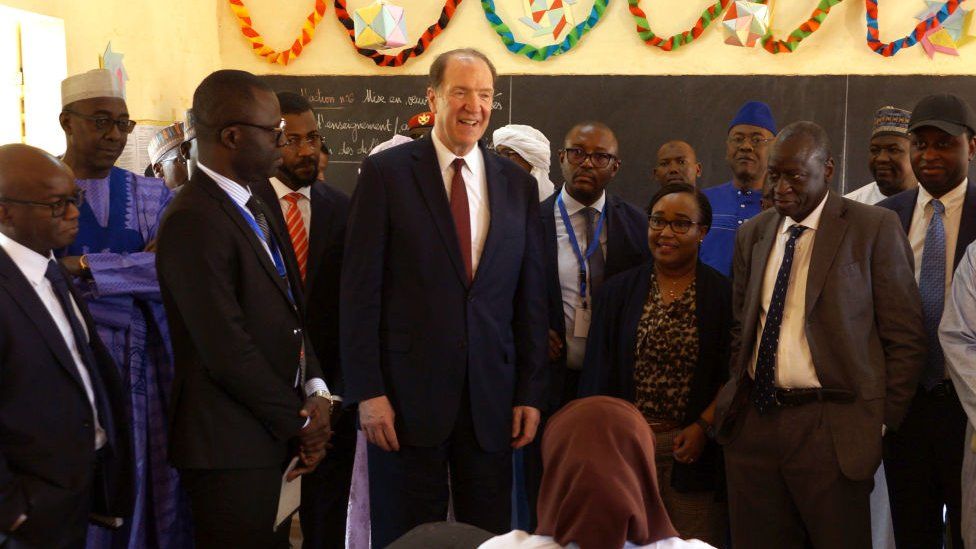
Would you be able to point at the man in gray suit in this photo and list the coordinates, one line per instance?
(828, 344)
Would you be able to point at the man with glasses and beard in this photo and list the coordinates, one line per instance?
(315, 216)
(113, 264)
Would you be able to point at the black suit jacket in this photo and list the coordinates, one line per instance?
(413, 329)
(609, 365)
(47, 437)
(326, 238)
(903, 204)
(627, 248)
(237, 335)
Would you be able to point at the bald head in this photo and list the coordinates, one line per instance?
(33, 187)
(677, 163)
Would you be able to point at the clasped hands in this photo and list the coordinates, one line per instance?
(314, 437)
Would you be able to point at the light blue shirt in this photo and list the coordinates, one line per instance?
(957, 333)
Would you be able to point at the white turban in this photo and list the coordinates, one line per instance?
(531, 145)
(390, 143)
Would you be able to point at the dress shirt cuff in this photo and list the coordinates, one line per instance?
(318, 384)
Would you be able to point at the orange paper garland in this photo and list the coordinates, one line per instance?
(257, 41)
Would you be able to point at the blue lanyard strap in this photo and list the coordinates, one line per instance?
(276, 258)
(576, 247)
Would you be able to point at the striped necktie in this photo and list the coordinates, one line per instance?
(297, 231)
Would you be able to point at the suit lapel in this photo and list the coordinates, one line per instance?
(21, 291)
(428, 178)
(761, 249)
(906, 208)
(317, 232)
(830, 232)
(497, 201)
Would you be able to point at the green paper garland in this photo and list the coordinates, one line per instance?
(807, 28)
(712, 13)
(543, 53)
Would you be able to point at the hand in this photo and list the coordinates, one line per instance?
(376, 418)
(308, 463)
(20, 520)
(555, 345)
(314, 436)
(525, 422)
(689, 443)
(73, 265)
(151, 247)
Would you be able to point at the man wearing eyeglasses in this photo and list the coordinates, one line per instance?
(735, 202)
(113, 265)
(590, 235)
(314, 215)
(166, 156)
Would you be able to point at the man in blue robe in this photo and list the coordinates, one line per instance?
(113, 263)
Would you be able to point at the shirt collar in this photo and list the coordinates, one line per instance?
(811, 221)
(472, 161)
(31, 263)
(573, 206)
(950, 200)
(238, 193)
(283, 190)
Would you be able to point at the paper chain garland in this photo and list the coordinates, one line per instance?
(805, 29)
(543, 53)
(891, 48)
(257, 41)
(401, 57)
(712, 13)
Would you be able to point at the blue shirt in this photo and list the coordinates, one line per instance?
(731, 208)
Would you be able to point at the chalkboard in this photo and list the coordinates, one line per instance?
(357, 112)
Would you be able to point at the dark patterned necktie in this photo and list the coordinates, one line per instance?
(931, 285)
(764, 391)
(596, 261)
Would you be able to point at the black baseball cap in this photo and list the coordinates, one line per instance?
(945, 111)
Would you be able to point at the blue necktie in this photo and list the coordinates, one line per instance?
(764, 391)
(931, 284)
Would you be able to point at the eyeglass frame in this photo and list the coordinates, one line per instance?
(670, 224)
(278, 131)
(78, 199)
(611, 158)
(754, 140)
(125, 125)
(307, 139)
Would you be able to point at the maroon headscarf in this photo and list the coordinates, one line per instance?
(599, 485)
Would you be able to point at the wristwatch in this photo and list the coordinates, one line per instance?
(706, 427)
(327, 396)
(83, 263)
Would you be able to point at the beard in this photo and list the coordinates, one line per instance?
(311, 166)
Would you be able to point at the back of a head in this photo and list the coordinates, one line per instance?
(599, 485)
(224, 97)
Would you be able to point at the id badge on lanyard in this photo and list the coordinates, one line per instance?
(581, 325)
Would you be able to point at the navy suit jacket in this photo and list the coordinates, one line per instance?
(326, 238)
(47, 436)
(903, 204)
(413, 329)
(626, 228)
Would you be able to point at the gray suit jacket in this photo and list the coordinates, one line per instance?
(863, 323)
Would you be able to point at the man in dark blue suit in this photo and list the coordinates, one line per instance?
(69, 461)
(442, 313)
(923, 458)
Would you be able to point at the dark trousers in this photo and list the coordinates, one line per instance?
(410, 487)
(325, 492)
(786, 488)
(235, 508)
(923, 464)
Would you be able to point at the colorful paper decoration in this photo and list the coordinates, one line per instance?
(257, 41)
(955, 30)
(400, 57)
(891, 48)
(961, 26)
(549, 16)
(674, 42)
(745, 23)
(542, 53)
(113, 62)
(380, 26)
(808, 27)
(938, 40)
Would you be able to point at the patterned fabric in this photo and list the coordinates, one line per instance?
(764, 392)
(931, 284)
(297, 232)
(665, 355)
(731, 207)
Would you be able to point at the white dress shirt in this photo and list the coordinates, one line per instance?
(34, 266)
(869, 194)
(794, 363)
(922, 215)
(569, 269)
(476, 183)
(240, 194)
(304, 204)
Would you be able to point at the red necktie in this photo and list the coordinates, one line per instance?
(461, 215)
(296, 231)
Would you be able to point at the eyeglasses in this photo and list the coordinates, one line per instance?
(678, 226)
(597, 159)
(312, 140)
(276, 131)
(103, 123)
(506, 152)
(754, 140)
(58, 207)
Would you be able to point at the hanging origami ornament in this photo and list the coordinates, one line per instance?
(549, 17)
(938, 40)
(745, 23)
(113, 62)
(955, 30)
(380, 25)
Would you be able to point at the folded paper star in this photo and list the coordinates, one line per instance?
(938, 40)
(380, 25)
(113, 62)
(549, 17)
(745, 23)
(956, 30)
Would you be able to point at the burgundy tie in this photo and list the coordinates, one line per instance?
(461, 215)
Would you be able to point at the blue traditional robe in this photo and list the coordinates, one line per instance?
(119, 218)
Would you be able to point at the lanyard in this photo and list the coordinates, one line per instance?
(576, 247)
(276, 258)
